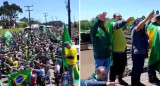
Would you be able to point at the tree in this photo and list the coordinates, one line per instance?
(10, 12)
(157, 12)
(76, 24)
(85, 24)
(35, 21)
(54, 23)
(24, 19)
(143, 17)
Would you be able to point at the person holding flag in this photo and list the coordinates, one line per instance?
(71, 59)
(68, 52)
(153, 31)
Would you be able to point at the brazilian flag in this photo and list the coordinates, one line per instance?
(110, 31)
(154, 46)
(19, 77)
(7, 35)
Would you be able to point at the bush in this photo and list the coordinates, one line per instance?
(22, 25)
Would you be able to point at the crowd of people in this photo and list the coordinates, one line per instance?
(37, 49)
(109, 48)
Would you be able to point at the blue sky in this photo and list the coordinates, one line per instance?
(54, 8)
(127, 8)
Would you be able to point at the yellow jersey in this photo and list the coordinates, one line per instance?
(15, 63)
(72, 52)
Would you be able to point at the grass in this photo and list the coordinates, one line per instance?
(2, 31)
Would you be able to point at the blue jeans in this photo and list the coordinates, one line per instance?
(137, 69)
(49, 79)
(103, 62)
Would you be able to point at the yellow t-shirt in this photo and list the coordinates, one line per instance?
(10, 59)
(119, 41)
(72, 52)
(53, 55)
(15, 63)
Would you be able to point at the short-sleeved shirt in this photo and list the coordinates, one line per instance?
(139, 41)
(15, 63)
(72, 52)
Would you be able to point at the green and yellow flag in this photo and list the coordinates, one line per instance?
(44, 30)
(154, 46)
(58, 38)
(51, 34)
(20, 77)
(33, 58)
(7, 35)
(66, 38)
(110, 31)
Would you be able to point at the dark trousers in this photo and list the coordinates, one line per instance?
(118, 67)
(152, 71)
(137, 69)
(40, 82)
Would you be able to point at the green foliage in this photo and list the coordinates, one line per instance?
(2, 31)
(55, 23)
(24, 19)
(22, 25)
(85, 25)
(76, 24)
(9, 13)
(157, 12)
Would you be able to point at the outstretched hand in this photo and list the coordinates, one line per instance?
(129, 19)
(111, 83)
(150, 16)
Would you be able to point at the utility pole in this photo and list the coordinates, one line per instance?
(52, 20)
(69, 16)
(56, 18)
(74, 19)
(29, 20)
(45, 15)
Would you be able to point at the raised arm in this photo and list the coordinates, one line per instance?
(142, 23)
(101, 19)
(120, 24)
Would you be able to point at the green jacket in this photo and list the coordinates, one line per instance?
(100, 40)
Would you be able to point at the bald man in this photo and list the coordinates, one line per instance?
(98, 78)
